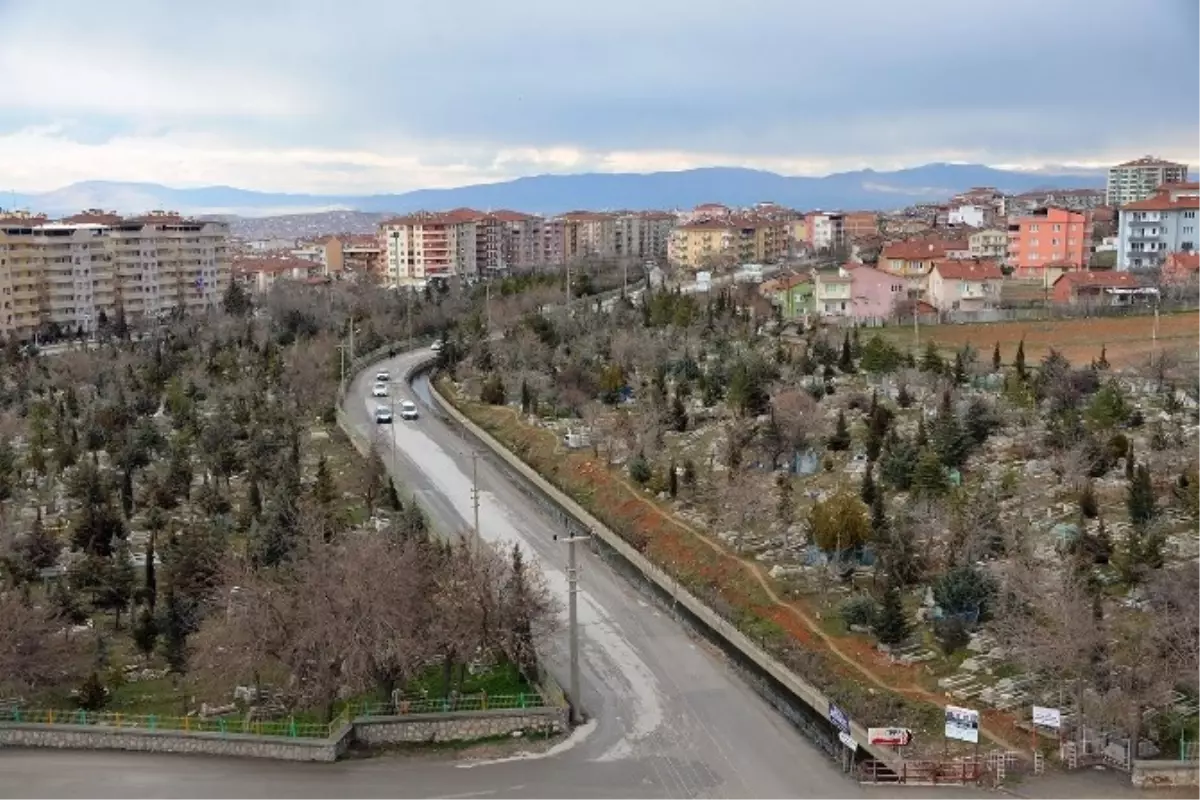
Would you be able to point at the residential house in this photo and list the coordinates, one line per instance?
(967, 214)
(1181, 269)
(260, 274)
(989, 243)
(911, 261)
(1095, 289)
(1048, 236)
(956, 285)
(875, 293)
(793, 295)
(1149, 229)
(833, 293)
(859, 224)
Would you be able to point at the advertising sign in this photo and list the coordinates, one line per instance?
(847, 740)
(1047, 717)
(839, 718)
(962, 724)
(891, 737)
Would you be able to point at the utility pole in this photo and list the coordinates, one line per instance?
(408, 313)
(475, 488)
(568, 288)
(573, 616)
(351, 338)
(487, 303)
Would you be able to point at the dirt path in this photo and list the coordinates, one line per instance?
(907, 689)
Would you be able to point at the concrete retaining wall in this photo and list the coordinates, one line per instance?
(458, 726)
(455, 726)
(1166, 774)
(91, 737)
(801, 689)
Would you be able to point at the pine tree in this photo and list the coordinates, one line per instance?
(922, 438)
(1088, 506)
(1129, 461)
(840, 440)
(929, 478)
(672, 480)
(880, 525)
(868, 491)
(324, 491)
(960, 369)
(174, 634)
(1139, 498)
(254, 498)
(526, 397)
(996, 363)
(897, 462)
(391, 497)
(891, 624)
(145, 631)
(149, 577)
(846, 361)
(679, 416)
(931, 361)
(785, 505)
(1019, 362)
(904, 398)
(949, 439)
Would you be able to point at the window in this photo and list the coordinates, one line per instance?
(1033, 228)
(1057, 227)
(1054, 242)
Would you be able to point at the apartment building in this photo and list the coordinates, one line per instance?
(1070, 199)
(643, 234)
(702, 244)
(825, 230)
(426, 245)
(990, 243)
(589, 234)
(73, 274)
(968, 286)
(1139, 179)
(1049, 238)
(1165, 222)
(860, 224)
(520, 238)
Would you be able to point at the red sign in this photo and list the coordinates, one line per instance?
(892, 737)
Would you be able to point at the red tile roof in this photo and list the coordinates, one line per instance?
(707, 225)
(274, 265)
(1184, 262)
(963, 270)
(915, 250)
(1162, 201)
(1101, 280)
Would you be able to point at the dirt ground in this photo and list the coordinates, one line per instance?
(1129, 341)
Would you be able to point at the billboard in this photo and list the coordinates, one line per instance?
(962, 724)
(891, 737)
(1047, 717)
(839, 718)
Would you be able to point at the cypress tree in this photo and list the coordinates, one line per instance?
(996, 358)
(891, 626)
(1019, 361)
(868, 491)
(1139, 498)
(840, 440)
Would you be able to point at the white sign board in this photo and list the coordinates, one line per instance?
(894, 737)
(1047, 717)
(847, 740)
(962, 724)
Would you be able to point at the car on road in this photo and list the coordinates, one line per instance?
(379, 390)
(383, 376)
(383, 415)
(436, 346)
(408, 410)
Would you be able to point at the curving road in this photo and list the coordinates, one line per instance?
(670, 719)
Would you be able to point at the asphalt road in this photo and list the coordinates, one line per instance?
(670, 719)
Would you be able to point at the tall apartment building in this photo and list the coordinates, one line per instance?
(706, 244)
(1049, 239)
(643, 234)
(71, 275)
(1148, 230)
(1139, 179)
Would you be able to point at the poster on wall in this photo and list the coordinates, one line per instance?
(962, 724)
(890, 737)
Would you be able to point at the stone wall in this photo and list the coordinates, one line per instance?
(94, 737)
(455, 726)
(459, 726)
(1166, 774)
(728, 635)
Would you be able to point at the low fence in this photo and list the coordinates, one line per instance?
(410, 720)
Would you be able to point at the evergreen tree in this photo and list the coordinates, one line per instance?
(855, 344)
(846, 361)
(868, 491)
(672, 480)
(679, 416)
(931, 361)
(324, 491)
(898, 461)
(526, 397)
(904, 398)
(880, 526)
(922, 438)
(996, 363)
(689, 474)
(891, 624)
(1129, 461)
(254, 497)
(521, 628)
(785, 504)
(145, 631)
(391, 497)
(174, 633)
(40, 549)
(1088, 506)
(149, 576)
(1019, 362)
(1139, 498)
(960, 369)
(236, 301)
(1102, 362)
(980, 420)
(840, 440)
(929, 478)
(949, 439)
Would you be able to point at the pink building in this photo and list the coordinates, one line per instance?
(875, 293)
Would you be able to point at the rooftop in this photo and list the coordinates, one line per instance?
(972, 270)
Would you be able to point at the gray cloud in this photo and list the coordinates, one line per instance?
(874, 81)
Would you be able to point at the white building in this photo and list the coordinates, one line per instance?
(1139, 179)
(1166, 222)
(972, 215)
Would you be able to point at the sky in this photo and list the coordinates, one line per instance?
(361, 96)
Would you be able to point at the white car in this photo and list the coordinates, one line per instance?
(408, 410)
(383, 415)
(379, 390)
(383, 377)
(436, 346)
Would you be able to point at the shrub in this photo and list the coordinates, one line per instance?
(951, 634)
(859, 611)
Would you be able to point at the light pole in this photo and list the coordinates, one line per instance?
(475, 488)
(573, 616)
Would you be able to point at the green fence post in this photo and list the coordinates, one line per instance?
(445, 704)
(221, 724)
(153, 722)
(83, 716)
(292, 727)
(521, 699)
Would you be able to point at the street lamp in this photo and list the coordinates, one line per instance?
(573, 616)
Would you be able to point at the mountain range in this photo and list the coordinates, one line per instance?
(548, 194)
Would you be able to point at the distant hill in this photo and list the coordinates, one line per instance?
(864, 189)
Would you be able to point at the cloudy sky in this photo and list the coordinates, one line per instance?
(389, 95)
